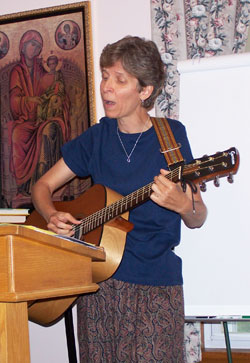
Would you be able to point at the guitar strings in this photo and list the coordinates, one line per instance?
(103, 215)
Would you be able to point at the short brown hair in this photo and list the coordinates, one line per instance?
(140, 58)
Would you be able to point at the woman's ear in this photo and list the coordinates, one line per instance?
(146, 92)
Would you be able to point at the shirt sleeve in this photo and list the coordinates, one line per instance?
(77, 153)
(180, 135)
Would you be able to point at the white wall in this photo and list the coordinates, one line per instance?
(111, 20)
(214, 104)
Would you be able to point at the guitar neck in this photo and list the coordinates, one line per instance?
(121, 206)
(200, 170)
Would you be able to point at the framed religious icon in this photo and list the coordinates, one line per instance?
(46, 95)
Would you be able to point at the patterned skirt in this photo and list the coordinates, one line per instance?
(125, 322)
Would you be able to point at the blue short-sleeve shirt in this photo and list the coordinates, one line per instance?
(149, 258)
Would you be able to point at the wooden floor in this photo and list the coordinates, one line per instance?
(220, 356)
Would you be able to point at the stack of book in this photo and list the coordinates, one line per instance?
(13, 215)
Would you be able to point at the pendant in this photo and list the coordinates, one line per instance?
(128, 160)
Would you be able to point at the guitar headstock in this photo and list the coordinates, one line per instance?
(213, 167)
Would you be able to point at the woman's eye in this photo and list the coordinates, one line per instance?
(121, 80)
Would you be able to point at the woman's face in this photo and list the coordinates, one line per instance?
(31, 49)
(119, 92)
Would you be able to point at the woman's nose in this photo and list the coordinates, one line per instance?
(107, 85)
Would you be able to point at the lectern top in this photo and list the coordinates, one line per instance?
(96, 253)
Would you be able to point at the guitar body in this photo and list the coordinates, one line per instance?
(111, 236)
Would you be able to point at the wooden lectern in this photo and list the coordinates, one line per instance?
(40, 276)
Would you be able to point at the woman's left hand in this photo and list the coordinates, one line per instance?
(168, 194)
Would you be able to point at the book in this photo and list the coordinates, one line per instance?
(76, 240)
(13, 215)
(15, 211)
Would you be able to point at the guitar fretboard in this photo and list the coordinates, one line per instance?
(113, 210)
(117, 208)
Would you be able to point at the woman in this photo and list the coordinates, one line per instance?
(137, 315)
(31, 141)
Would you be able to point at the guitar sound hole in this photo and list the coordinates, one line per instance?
(79, 216)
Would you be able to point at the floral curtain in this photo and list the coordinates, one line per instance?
(186, 29)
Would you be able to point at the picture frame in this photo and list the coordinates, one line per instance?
(46, 95)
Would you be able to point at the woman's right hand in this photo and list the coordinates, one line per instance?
(61, 223)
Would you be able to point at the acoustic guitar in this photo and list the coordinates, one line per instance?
(104, 213)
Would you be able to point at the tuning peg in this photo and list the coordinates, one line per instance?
(230, 178)
(203, 187)
(217, 181)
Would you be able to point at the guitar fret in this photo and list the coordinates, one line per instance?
(99, 218)
(137, 196)
(92, 223)
(85, 229)
(87, 226)
(112, 207)
(143, 193)
(149, 190)
(117, 209)
(121, 207)
(80, 232)
(106, 215)
(131, 199)
(109, 214)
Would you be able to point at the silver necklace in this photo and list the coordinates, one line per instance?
(138, 138)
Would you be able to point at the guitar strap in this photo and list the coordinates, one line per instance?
(171, 150)
(169, 146)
